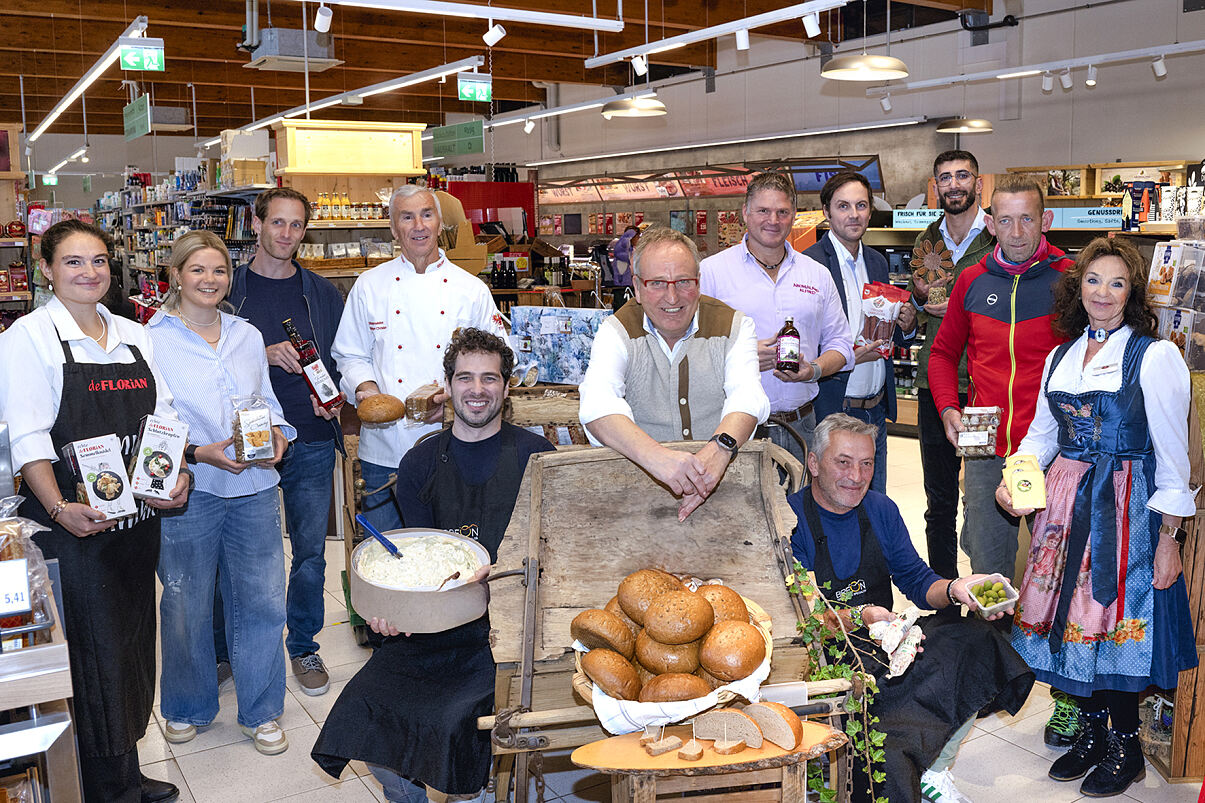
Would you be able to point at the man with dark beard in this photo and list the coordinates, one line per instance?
(961, 237)
(411, 712)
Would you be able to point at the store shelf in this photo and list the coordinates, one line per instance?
(6, 298)
(12, 242)
(348, 224)
(234, 192)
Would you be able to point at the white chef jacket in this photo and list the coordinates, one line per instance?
(31, 372)
(395, 327)
(1165, 394)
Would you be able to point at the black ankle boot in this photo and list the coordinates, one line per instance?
(1086, 753)
(1121, 766)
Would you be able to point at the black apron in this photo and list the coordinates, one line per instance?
(967, 669)
(108, 579)
(414, 706)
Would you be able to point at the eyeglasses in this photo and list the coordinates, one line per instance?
(682, 285)
(963, 176)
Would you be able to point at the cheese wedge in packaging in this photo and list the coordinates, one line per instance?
(1027, 486)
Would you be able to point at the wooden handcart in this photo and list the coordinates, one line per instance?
(583, 520)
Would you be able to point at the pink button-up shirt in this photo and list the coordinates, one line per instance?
(803, 290)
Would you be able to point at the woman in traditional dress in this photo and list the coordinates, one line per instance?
(1107, 615)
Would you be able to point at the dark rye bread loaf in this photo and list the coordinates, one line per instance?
(612, 673)
(726, 603)
(660, 658)
(673, 687)
(678, 617)
(638, 590)
(732, 650)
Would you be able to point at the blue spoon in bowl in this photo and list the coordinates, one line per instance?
(375, 533)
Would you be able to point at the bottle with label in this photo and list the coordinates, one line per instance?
(787, 357)
(344, 206)
(316, 376)
(324, 207)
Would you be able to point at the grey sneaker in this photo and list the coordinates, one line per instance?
(269, 739)
(311, 674)
(225, 676)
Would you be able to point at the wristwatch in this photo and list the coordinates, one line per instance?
(190, 454)
(817, 374)
(726, 442)
(1175, 532)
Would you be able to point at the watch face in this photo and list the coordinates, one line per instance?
(727, 441)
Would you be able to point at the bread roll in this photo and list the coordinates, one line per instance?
(660, 658)
(726, 603)
(779, 724)
(638, 590)
(673, 687)
(381, 409)
(732, 650)
(728, 724)
(645, 676)
(598, 629)
(612, 606)
(612, 673)
(678, 617)
(711, 679)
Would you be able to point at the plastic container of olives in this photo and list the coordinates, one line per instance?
(997, 600)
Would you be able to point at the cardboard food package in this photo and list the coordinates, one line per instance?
(1165, 266)
(100, 477)
(155, 464)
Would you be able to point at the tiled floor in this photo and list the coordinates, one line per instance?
(1003, 759)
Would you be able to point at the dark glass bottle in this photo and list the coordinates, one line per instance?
(316, 376)
(787, 358)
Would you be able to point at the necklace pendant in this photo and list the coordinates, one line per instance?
(1100, 335)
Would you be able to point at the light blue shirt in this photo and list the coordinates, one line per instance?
(204, 380)
(961, 248)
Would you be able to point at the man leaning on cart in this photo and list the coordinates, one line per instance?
(411, 712)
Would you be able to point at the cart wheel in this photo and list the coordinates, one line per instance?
(361, 632)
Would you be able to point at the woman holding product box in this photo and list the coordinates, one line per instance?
(1112, 415)
(232, 521)
(72, 371)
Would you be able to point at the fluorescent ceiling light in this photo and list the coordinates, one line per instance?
(1019, 74)
(494, 35)
(634, 107)
(742, 40)
(432, 159)
(1047, 82)
(1065, 79)
(863, 67)
(528, 126)
(964, 125)
(703, 34)
(639, 65)
(807, 132)
(522, 116)
(496, 13)
(210, 143)
(322, 19)
(78, 153)
(811, 25)
(1091, 79)
(137, 29)
(427, 137)
(1159, 66)
(58, 166)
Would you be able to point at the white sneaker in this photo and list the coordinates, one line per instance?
(938, 787)
(269, 738)
(179, 732)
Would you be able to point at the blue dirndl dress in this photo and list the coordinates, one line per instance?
(1088, 617)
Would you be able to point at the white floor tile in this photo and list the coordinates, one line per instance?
(169, 771)
(236, 772)
(224, 730)
(1153, 789)
(350, 791)
(319, 707)
(152, 747)
(992, 770)
(1037, 705)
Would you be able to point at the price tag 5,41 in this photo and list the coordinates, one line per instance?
(14, 587)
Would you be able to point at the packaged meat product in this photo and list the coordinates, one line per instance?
(979, 436)
(252, 429)
(155, 464)
(100, 476)
(880, 308)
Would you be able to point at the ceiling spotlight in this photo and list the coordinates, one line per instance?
(528, 126)
(85, 158)
(1160, 67)
(640, 65)
(633, 107)
(742, 39)
(964, 125)
(864, 67)
(811, 26)
(885, 102)
(1091, 79)
(1047, 82)
(1065, 79)
(322, 19)
(494, 35)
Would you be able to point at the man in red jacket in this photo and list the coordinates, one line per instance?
(1000, 313)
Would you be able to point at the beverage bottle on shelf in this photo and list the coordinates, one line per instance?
(787, 357)
(344, 207)
(323, 206)
(315, 210)
(315, 373)
(494, 274)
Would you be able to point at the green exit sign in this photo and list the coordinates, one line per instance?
(49, 180)
(138, 53)
(475, 87)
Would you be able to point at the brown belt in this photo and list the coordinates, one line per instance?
(798, 414)
(867, 403)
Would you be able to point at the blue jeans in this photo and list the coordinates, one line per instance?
(305, 478)
(401, 790)
(876, 415)
(806, 427)
(380, 508)
(989, 535)
(239, 539)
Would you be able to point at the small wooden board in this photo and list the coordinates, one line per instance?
(624, 755)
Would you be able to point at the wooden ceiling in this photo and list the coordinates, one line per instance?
(51, 43)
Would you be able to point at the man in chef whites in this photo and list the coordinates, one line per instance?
(398, 320)
(411, 711)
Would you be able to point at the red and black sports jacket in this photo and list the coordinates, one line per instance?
(1004, 323)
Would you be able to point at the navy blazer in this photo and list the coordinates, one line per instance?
(832, 388)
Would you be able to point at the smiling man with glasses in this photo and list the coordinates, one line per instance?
(674, 365)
